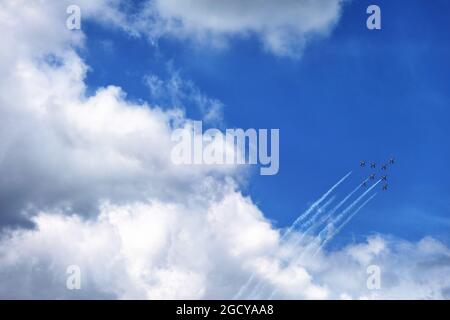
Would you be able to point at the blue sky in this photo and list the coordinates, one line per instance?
(356, 94)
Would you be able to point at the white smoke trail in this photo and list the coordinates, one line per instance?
(310, 223)
(314, 206)
(350, 217)
(340, 204)
(318, 239)
(303, 233)
(333, 211)
(244, 287)
(337, 230)
(314, 217)
(328, 216)
(256, 290)
(259, 286)
(311, 209)
(343, 213)
(330, 237)
(339, 217)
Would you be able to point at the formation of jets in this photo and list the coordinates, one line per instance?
(372, 176)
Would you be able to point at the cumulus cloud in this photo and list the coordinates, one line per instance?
(139, 250)
(167, 251)
(61, 148)
(408, 270)
(92, 174)
(284, 27)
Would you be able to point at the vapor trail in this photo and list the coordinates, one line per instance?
(310, 223)
(320, 210)
(256, 290)
(354, 213)
(314, 206)
(330, 214)
(328, 239)
(340, 204)
(343, 213)
(244, 288)
(354, 203)
(259, 286)
(299, 219)
(344, 223)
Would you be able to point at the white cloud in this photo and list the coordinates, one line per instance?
(283, 26)
(408, 270)
(180, 92)
(61, 148)
(57, 143)
(93, 174)
(152, 250)
(167, 251)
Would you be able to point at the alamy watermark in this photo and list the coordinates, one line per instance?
(73, 21)
(374, 277)
(374, 20)
(73, 281)
(234, 147)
